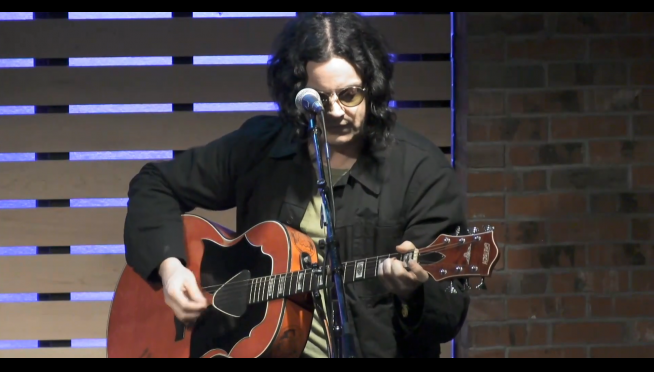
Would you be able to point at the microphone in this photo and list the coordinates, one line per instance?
(308, 100)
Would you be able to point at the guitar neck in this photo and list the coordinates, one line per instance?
(285, 285)
(448, 257)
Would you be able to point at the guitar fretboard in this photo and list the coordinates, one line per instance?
(284, 285)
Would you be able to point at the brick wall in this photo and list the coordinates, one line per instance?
(560, 159)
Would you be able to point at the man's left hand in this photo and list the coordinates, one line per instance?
(397, 279)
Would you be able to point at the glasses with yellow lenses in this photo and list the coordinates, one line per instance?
(348, 97)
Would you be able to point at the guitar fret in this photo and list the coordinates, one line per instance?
(358, 269)
(254, 292)
(376, 266)
(262, 290)
(300, 282)
(311, 277)
(262, 293)
(287, 283)
(271, 288)
(279, 288)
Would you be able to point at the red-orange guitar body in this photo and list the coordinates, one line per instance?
(271, 321)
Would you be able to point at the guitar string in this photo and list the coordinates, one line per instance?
(236, 287)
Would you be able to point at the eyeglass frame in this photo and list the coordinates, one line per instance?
(328, 99)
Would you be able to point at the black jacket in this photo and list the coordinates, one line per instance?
(406, 192)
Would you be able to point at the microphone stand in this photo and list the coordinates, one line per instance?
(340, 335)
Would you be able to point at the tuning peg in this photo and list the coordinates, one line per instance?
(482, 285)
(466, 285)
(458, 231)
(490, 228)
(451, 288)
(475, 230)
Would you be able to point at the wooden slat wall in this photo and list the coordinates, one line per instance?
(56, 133)
(416, 81)
(412, 34)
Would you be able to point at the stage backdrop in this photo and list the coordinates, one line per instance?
(86, 99)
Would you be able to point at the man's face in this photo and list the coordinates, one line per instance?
(337, 81)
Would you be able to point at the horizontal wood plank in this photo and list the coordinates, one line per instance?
(414, 81)
(413, 34)
(76, 226)
(67, 179)
(55, 353)
(174, 131)
(116, 132)
(60, 273)
(54, 320)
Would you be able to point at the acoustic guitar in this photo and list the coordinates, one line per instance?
(259, 287)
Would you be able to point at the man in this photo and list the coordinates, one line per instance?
(394, 190)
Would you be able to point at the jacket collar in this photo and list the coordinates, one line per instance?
(370, 169)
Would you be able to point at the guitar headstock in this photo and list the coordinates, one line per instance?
(462, 256)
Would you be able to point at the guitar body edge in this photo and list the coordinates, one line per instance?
(141, 325)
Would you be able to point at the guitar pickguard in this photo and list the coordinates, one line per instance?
(216, 329)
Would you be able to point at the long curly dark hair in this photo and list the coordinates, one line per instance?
(319, 36)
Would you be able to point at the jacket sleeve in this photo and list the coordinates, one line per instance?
(435, 206)
(201, 177)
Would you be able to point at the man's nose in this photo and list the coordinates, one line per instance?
(335, 108)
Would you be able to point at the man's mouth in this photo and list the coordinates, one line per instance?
(337, 126)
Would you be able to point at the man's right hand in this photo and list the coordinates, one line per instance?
(181, 291)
